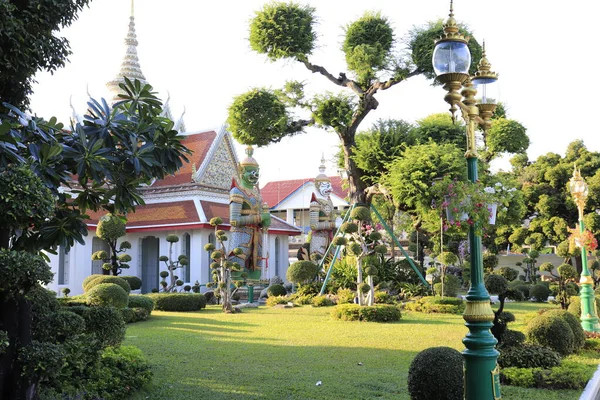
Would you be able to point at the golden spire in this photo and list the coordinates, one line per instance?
(451, 28)
(484, 68)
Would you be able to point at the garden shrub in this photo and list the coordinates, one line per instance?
(552, 331)
(512, 338)
(322, 301)
(276, 290)
(520, 286)
(528, 356)
(384, 298)
(89, 278)
(108, 295)
(539, 292)
(127, 314)
(433, 304)
(138, 300)
(377, 313)
(301, 271)
(510, 274)
(123, 370)
(567, 375)
(451, 286)
(436, 374)
(303, 299)
(178, 301)
(345, 296)
(41, 360)
(106, 324)
(275, 300)
(575, 324)
(140, 314)
(310, 289)
(79, 300)
(134, 282)
(107, 279)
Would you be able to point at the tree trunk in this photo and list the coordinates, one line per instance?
(356, 186)
(371, 300)
(359, 280)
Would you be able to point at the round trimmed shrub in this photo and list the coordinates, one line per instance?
(520, 286)
(552, 331)
(90, 278)
(451, 286)
(361, 213)
(135, 283)
(127, 314)
(436, 374)
(106, 324)
(512, 338)
(539, 292)
(376, 313)
(528, 356)
(107, 279)
(141, 301)
(178, 301)
(510, 274)
(575, 324)
(301, 271)
(108, 295)
(276, 290)
(110, 227)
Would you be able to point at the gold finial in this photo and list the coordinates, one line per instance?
(249, 160)
(451, 28)
(484, 68)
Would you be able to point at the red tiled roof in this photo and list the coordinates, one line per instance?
(274, 193)
(198, 143)
(212, 210)
(172, 213)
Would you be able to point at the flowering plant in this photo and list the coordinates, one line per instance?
(579, 239)
(465, 203)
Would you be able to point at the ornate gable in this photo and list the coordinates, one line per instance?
(220, 165)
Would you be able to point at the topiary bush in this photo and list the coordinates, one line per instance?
(575, 324)
(90, 278)
(436, 374)
(107, 295)
(528, 356)
(451, 286)
(552, 331)
(539, 292)
(520, 286)
(345, 296)
(442, 305)
(135, 283)
(138, 300)
(105, 324)
(512, 338)
(276, 290)
(510, 274)
(301, 271)
(178, 301)
(567, 375)
(377, 313)
(107, 279)
(322, 301)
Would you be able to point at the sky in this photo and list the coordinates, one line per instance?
(197, 52)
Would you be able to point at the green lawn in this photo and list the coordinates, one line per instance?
(273, 353)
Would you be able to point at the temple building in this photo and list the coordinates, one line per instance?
(180, 204)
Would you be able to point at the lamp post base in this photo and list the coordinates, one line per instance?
(589, 314)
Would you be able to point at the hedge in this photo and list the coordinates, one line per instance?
(178, 301)
(377, 313)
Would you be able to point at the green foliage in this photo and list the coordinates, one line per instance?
(448, 258)
(363, 288)
(101, 279)
(355, 312)
(333, 110)
(451, 286)
(440, 129)
(575, 305)
(552, 331)
(322, 301)
(110, 227)
(128, 371)
(490, 262)
(384, 298)
(496, 284)
(360, 213)
(345, 296)
(528, 356)
(105, 324)
(367, 46)
(140, 301)
(436, 373)
(134, 282)
(275, 300)
(512, 338)
(510, 274)
(441, 305)
(507, 136)
(575, 324)
(276, 290)
(283, 30)
(568, 375)
(21, 272)
(539, 292)
(24, 199)
(301, 271)
(41, 359)
(108, 295)
(349, 227)
(178, 301)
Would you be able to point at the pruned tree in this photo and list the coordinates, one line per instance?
(172, 266)
(565, 273)
(221, 267)
(110, 228)
(285, 31)
(446, 259)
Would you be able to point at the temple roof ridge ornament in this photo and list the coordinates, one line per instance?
(130, 67)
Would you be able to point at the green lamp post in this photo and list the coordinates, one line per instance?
(589, 315)
(451, 62)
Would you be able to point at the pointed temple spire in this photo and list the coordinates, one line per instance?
(130, 67)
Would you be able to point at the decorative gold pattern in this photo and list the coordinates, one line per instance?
(478, 311)
(586, 279)
(451, 29)
(220, 168)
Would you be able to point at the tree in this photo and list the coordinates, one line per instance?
(283, 31)
(446, 258)
(28, 43)
(110, 228)
(172, 265)
(565, 273)
(110, 155)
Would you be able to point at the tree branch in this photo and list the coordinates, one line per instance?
(341, 81)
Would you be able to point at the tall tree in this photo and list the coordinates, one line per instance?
(28, 43)
(286, 31)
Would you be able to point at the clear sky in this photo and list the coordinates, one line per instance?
(198, 52)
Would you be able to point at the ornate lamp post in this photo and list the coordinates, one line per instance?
(451, 62)
(589, 316)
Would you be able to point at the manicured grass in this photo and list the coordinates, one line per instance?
(274, 353)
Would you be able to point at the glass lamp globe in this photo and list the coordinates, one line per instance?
(487, 89)
(451, 56)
